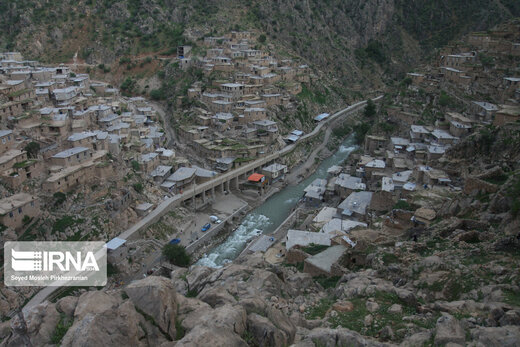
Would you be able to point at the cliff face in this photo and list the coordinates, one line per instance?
(355, 42)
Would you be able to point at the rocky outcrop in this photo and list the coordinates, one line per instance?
(155, 297)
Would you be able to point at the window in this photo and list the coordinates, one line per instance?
(32, 203)
(19, 210)
(11, 214)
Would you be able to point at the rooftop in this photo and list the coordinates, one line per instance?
(327, 258)
(305, 238)
(14, 201)
(70, 152)
(182, 174)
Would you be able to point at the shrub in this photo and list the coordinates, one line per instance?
(138, 187)
(262, 38)
(370, 109)
(135, 165)
(176, 254)
(59, 198)
(32, 149)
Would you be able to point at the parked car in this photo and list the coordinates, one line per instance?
(175, 241)
(215, 219)
(206, 227)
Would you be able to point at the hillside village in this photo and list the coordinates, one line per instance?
(388, 245)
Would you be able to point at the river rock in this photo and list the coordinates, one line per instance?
(155, 296)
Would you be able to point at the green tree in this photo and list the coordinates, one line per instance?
(32, 149)
(138, 187)
(370, 109)
(262, 38)
(176, 254)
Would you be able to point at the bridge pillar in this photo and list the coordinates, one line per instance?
(222, 187)
(203, 196)
(213, 193)
(193, 203)
(227, 186)
(237, 186)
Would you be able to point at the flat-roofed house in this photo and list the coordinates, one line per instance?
(346, 185)
(15, 208)
(356, 205)
(275, 171)
(71, 156)
(6, 140)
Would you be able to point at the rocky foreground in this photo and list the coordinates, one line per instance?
(262, 305)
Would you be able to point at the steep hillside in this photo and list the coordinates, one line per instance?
(354, 42)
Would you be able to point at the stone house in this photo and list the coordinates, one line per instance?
(253, 114)
(10, 158)
(71, 156)
(275, 171)
(375, 143)
(506, 114)
(6, 140)
(15, 208)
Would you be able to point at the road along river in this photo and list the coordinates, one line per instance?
(268, 216)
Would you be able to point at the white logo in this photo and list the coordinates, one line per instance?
(56, 263)
(45, 261)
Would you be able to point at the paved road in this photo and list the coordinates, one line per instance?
(177, 199)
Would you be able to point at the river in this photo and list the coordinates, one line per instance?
(268, 216)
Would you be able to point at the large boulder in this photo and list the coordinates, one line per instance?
(94, 302)
(155, 297)
(264, 332)
(448, 329)
(203, 335)
(507, 336)
(67, 305)
(338, 337)
(117, 326)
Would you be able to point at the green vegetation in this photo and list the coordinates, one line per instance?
(318, 311)
(32, 149)
(313, 95)
(262, 38)
(65, 222)
(361, 130)
(341, 131)
(61, 329)
(138, 187)
(402, 205)
(514, 193)
(135, 165)
(445, 100)
(179, 330)
(354, 319)
(390, 258)
(176, 254)
(373, 51)
(313, 249)
(512, 297)
(59, 198)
